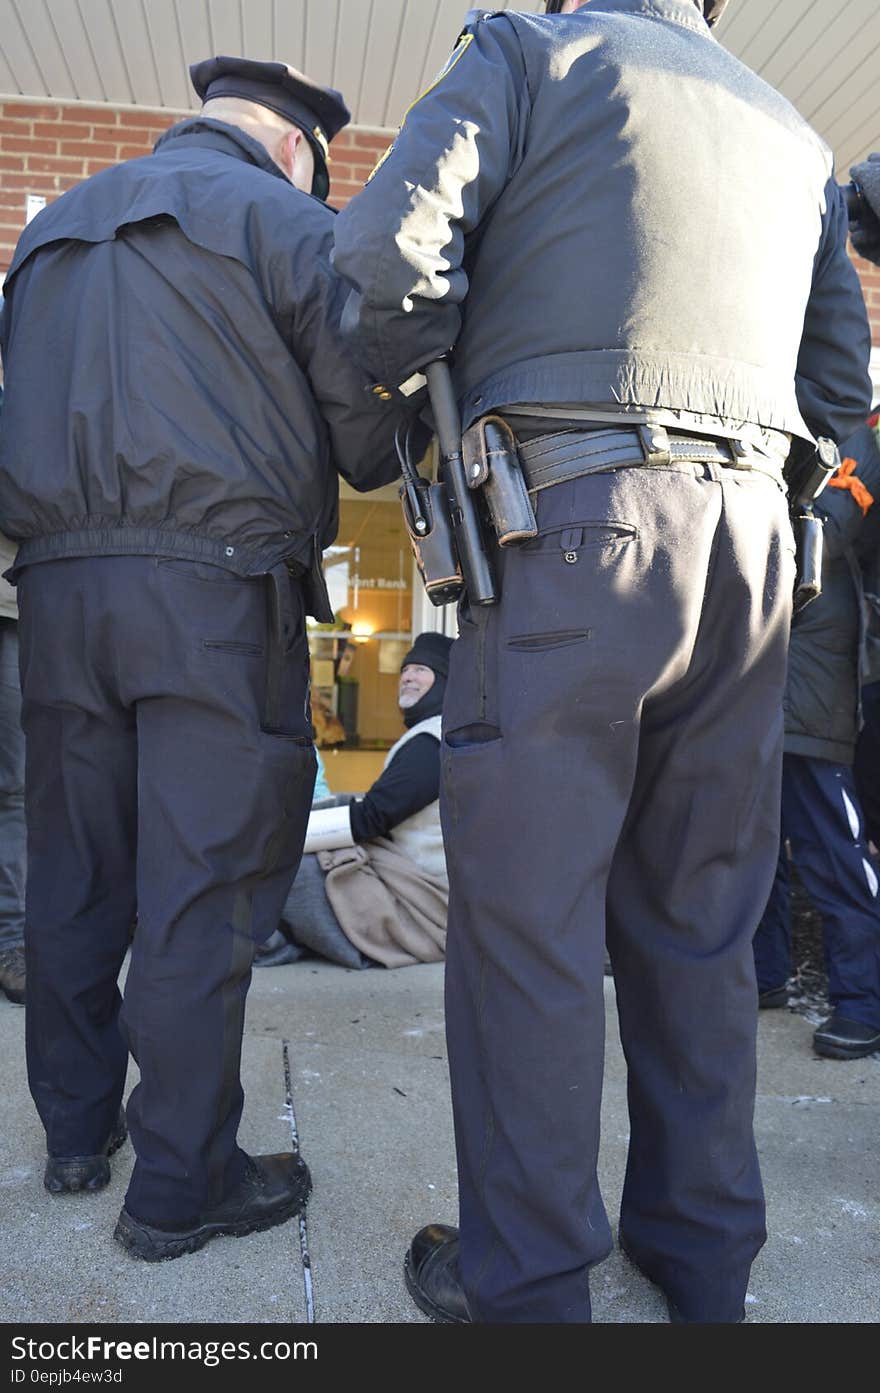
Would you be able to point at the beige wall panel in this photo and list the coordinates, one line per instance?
(290, 29)
(165, 41)
(18, 50)
(258, 26)
(382, 44)
(195, 35)
(226, 26)
(404, 85)
(348, 69)
(137, 52)
(46, 48)
(67, 22)
(322, 36)
(100, 20)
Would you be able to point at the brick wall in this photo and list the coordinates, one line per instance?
(46, 148)
(870, 277)
(353, 156)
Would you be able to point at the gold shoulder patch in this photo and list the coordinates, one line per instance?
(459, 51)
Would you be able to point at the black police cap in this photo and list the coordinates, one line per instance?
(319, 112)
(712, 9)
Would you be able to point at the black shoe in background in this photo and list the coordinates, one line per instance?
(273, 1189)
(12, 974)
(66, 1175)
(774, 996)
(839, 1038)
(432, 1275)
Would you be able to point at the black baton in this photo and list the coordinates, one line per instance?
(475, 566)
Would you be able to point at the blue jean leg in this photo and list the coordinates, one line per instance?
(822, 818)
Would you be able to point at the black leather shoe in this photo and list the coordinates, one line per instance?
(65, 1175)
(839, 1038)
(273, 1189)
(432, 1275)
(675, 1315)
(12, 974)
(776, 996)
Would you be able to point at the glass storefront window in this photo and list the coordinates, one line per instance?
(356, 661)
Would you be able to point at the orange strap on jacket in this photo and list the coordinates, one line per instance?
(846, 478)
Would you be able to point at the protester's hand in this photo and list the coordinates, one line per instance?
(866, 232)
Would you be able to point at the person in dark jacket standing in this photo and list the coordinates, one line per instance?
(635, 250)
(822, 816)
(177, 407)
(12, 823)
(865, 211)
(866, 767)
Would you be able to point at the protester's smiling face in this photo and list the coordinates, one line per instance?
(415, 680)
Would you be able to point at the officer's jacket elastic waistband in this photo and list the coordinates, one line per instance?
(550, 459)
(143, 541)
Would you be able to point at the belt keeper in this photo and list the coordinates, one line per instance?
(655, 445)
(742, 455)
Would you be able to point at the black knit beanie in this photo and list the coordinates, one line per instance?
(429, 650)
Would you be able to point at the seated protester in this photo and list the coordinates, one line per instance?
(372, 885)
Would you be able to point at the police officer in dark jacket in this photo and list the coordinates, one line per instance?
(637, 250)
(865, 208)
(178, 406)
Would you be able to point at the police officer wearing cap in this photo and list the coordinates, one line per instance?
(178, 410)
(863, 194)
(634, 250)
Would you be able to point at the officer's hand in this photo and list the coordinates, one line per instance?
(866, 232)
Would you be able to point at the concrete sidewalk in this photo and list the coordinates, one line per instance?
(361, 1056)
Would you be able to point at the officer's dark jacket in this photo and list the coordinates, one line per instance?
(834, 640)
(634, 217)
(175, 380)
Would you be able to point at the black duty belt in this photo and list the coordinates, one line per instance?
(551, 459)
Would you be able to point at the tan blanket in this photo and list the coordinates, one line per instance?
(388, 908)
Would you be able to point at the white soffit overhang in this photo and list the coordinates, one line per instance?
(823, 54)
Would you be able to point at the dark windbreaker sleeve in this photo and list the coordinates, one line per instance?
(840, 508)
(411, 782)
(833, 382)
(400, 242)
(361, 425)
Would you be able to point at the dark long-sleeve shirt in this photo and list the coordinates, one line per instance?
(411, 782)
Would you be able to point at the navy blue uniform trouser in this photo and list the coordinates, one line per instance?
(611, 767)
(13, 853)
(169, 774)
(822, 822)
(867, 762)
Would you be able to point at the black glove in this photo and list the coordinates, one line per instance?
(865, 232)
